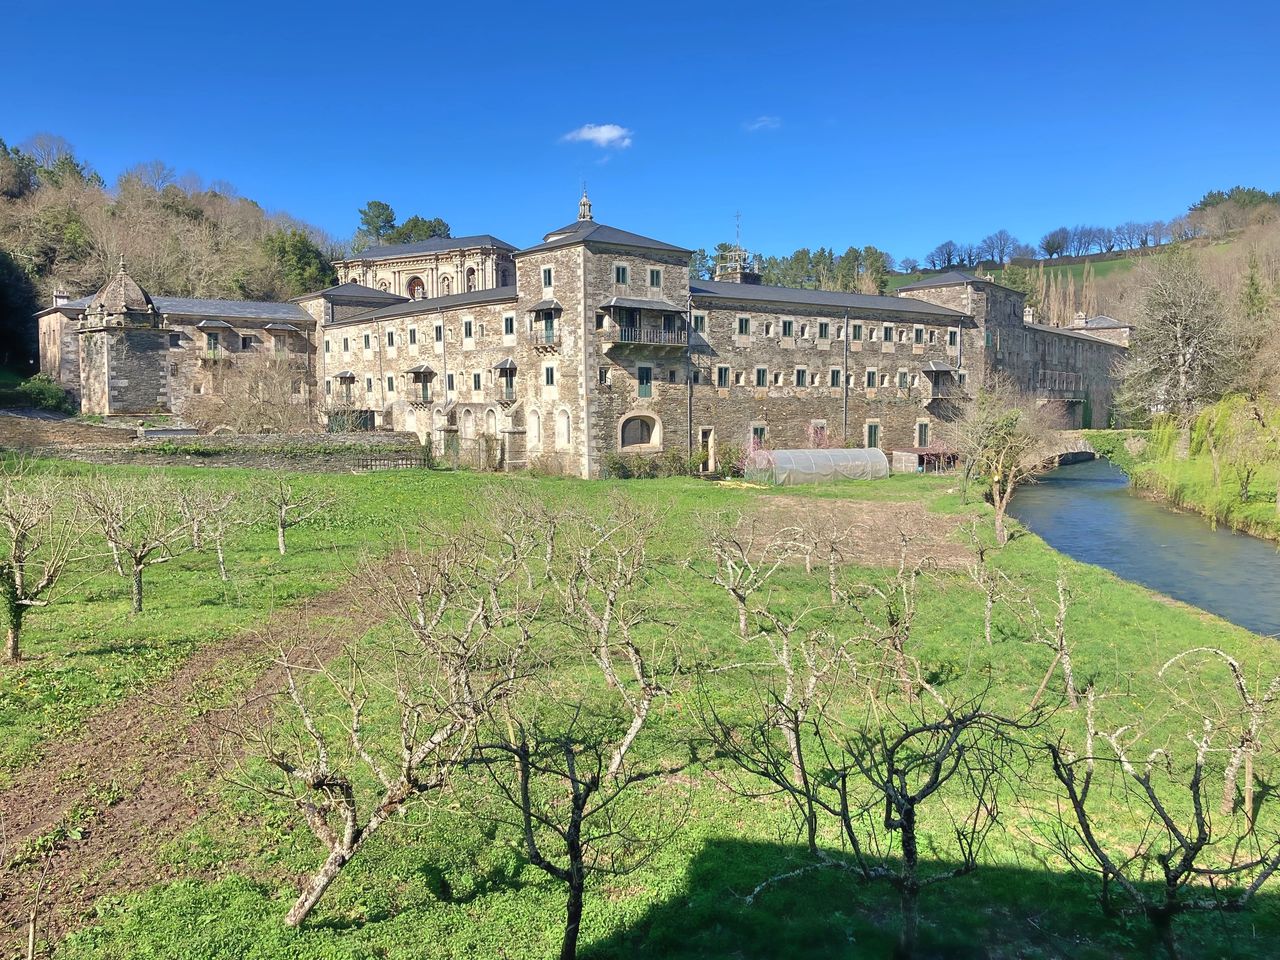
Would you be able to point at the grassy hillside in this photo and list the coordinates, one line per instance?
(449, 883)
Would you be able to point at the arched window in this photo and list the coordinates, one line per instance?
(505, 276)
(446, 286)
(468, 423)
(471, 278)
(637, 432)
(562, 430)
(416, 288)
(491, 423)
(533, 433)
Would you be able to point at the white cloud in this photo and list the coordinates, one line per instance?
(765, 122)
(604, 135)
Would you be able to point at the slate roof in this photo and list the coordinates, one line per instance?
(1103, 323)
(950, 279)
(352, 293)
(413, 308)
(589, 231)
(751, 292)
(389, 251)
(197, 307)
(121, 294)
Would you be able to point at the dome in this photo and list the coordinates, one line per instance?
(121, 294)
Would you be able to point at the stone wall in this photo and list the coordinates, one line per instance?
(123, 371)
(442, 273)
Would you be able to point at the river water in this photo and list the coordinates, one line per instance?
(1087, 511)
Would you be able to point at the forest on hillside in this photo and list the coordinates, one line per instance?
(62, 227)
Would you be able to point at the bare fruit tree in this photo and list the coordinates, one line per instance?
(141, 522)
(1054, 636)
(1243, 717)
(211, 514)
(567, 763)
(399, 709)
(1198, 862)
(745, 558)
(40, 538)
(293, 506)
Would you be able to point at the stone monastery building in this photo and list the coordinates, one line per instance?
(592, 342)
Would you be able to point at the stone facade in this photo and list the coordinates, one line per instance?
(439, 267)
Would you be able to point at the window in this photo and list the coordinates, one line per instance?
(562, 429)
(173, 369)
(368, 384)
(922, 434)
(802, 377)
(546, 277)
(697, 375)
(963, 377)
(737, 379)
(919, 332)
(246, 343)
(768, 329)
(211, 341)
(466, 329)
(644, 379)
(888, 333)
(757, 436)
(744, 326)
(873, 435)
(534, 435)
(699, 323)
(448, 382)
(604, 375)
(655, 277)
(439, 333)
(762, 377)
(902, 336)
(328, 386)
(953, 337)
(366, 341)
(933, 336)
(804, 330)
(788, 328)
(599, 321)
(475, 381)
(722, 378)
(619, 273)
(777, 379)
(902, 379)
(413, 336)
(824, 331)
(480, 331)
(391, 383)
(855, 332)
(637, 432)
(508, 326)
(175, 340)
(871, 379)
(549, 376)
(835, 376)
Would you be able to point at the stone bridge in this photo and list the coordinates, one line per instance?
(1070, 446)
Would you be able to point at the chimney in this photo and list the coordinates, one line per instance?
(61, 297)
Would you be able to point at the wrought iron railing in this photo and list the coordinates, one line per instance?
(647, 335)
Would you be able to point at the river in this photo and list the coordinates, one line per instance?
(1087, 511)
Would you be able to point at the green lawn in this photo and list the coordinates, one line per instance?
(1101, 269)
(449, 884)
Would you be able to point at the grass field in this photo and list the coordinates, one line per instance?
(1101, 269)
(448, 883)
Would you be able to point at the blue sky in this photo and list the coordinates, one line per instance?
(824, 124)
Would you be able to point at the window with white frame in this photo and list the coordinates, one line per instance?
(546, 278)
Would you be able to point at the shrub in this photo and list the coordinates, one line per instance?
(43, 393)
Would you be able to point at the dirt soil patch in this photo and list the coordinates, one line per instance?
(869, 533)
(100, 805)
(20, 431)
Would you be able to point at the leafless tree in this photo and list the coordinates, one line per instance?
(567, 765)
(1245, 718)
(267, 390)
(399, 710)
(46, 149)
(745, 558)
(1199, 863)
(1055, 638)
(1003, 436)
(887, 613)
(998, 246)
(40, 538)
(211, 514)
(141, 522)
(870, 768)
(292, 506)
